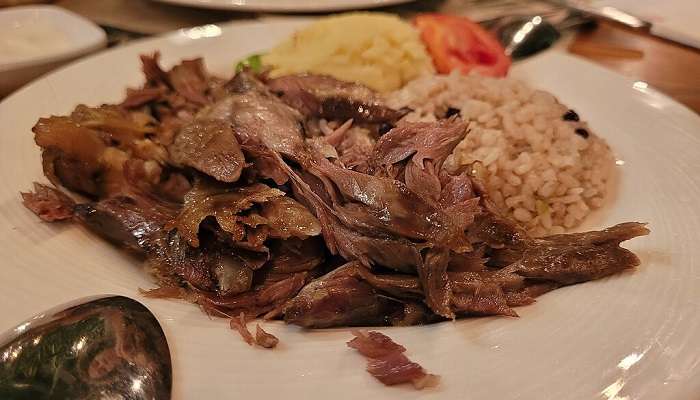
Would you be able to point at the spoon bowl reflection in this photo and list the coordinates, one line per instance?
(96, 348)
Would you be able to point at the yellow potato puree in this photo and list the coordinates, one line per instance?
(376, 49)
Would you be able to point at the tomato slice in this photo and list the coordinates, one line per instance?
(457, 43)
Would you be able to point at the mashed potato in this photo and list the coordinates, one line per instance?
(375, 49)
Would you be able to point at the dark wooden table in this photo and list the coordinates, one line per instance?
(669, 67)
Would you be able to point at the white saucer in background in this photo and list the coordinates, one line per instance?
(59, 36)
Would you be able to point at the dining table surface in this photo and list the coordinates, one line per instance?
(669, 67)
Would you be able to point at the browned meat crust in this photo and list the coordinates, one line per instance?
(48, 203)
(326, 97)
(240, 324)
(387, 363)
(264, 339)
(219, 188)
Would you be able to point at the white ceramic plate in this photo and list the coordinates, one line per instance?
(635, 335)
(291, 6)
(71, 36)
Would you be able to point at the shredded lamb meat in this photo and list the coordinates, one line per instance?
(240, 324)
(264, 339)
(327, 97)
(48, 203)
(387, 363)
(301, 198)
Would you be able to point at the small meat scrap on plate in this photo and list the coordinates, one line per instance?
(387, 362)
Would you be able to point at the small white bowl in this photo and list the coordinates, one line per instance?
(73, 36)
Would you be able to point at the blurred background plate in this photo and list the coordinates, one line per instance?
(291, 6)
(37, 39)
(631, 336)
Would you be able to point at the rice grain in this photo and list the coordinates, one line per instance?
(538, 169)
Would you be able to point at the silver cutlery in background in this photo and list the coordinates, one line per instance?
(525, 35)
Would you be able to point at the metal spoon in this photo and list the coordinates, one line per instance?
(523, 36)
(105, 348)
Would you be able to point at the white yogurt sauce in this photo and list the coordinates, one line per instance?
(31, 38)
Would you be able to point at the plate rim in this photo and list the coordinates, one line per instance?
(146, 42)
(241, 5)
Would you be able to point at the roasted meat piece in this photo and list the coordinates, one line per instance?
(387, 363)
(295, 255)
(303, 198)
(351, 295)
(258, 117)
(211, 199)
(136, 223)
(340, 299)
(265, 339)
(49, 203)
(287, 218)
(326, 97)
(86, 152)
(240, 324)
(266, 298)
(210, 147)
(417, 151)
(186, 82)
(355, 149)
(579, 257)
